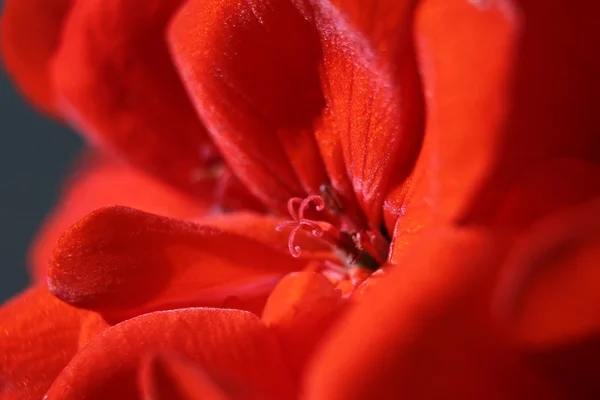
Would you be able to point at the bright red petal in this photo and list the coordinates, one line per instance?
(38, 336)
(551, 289)
(374, 109)
(254, 81)
(122, 262)
(30, 33)
(300, 311)
(115, 82)
(281, 73)
(167, 376)
(423, 333)
(100, 182)
(466, 53)
(226, 343)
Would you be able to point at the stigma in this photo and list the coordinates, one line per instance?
(356, 247)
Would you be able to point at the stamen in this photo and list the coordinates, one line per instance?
(299, 221)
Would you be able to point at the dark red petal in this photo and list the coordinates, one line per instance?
(101, 181)
(121, 262)
(300, 310)
(546, 188)
(30, 33)
(422, 332)
(38, 336)
(167, 376)
(466, 53)
(554, 93)
(115, 82)
(550, 294)
(226, 343)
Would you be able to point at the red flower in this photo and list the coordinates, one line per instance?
(450, 145)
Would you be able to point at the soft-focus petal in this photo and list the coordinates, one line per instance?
(121, 262)
(278, 75)
(38, 336)
(422, 332)
(550, 293)
(30, 33)
(101, 181)
(300, 310)
(116, 83)
(167, 376)
(546, 188)
(228, 344)
(554, 93)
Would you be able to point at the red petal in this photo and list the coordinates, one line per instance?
(38, 336)
(275, 76)
(375, 110)
(551, 289)
(99, 182)
(122, 262)
(262, 228)
(166, 376)
(122, 90)
(466, 51)
(300, 310)
(91, 325)
(30, 32)
(422, 332)
(226, 343)
(547, 188)
(254, 81)
(554, 98)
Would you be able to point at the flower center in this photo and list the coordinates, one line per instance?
(356, 247)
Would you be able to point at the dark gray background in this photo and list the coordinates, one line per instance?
(34, 156)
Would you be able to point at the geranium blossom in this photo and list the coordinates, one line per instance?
(313, 199)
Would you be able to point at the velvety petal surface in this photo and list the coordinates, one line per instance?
(38, 336)
(300, 311)
(550, 292)
(296, 98)
(226, 343)
(30, 32)
(121, 262)
(100, 181)
(423, 332)
(115, 82)
(168, 376)
(466, 55)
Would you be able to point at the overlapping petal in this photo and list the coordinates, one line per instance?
(553, 95)
(122, 262)
(100, 181)
(168, 376)
(296, 99)
(116, 83)
(550, 294)
(300, 310)
(230, 345)
(424, 332)
(38, 336)
(30, 34)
